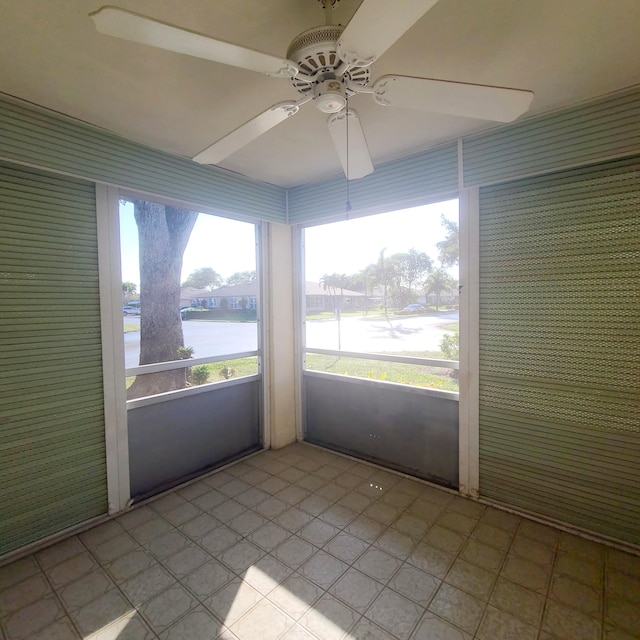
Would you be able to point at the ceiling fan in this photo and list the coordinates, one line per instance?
(327, 65)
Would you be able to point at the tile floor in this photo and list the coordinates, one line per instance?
(300, 544)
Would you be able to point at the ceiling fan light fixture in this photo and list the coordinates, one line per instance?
(329, 96)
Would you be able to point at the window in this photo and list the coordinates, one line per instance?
(382, 297)
(173, 263)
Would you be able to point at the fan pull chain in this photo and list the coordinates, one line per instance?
(348, 202)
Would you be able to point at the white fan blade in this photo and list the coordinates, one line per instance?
(247, 133)
(480, 101)
(132, 26)
(376, 25)
(354, 148)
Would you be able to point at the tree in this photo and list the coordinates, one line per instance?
(240, 277)
(129, 289)
(163, 234)
(436, 283)
(449, 248)
(409, 269)
(203, 278)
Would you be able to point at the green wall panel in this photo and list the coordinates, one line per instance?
(604, 128)
(560, 347)
(52, 440)
(40, 139)
(404, 183)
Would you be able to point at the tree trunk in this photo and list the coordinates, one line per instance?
(163, 234)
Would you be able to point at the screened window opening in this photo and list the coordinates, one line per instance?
(381, 297)
(189, 298)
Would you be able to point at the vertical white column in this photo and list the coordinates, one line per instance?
(280, 336)
(115, 409)
(469, 340)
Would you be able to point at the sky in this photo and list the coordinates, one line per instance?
(228, 246)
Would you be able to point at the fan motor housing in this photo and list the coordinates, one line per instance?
(315, 52)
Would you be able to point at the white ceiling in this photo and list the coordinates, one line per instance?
(566, 51)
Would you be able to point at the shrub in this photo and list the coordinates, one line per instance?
(200, 374)
(227, 372)
(450, 346)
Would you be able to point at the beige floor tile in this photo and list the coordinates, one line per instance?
(525, 573)
(210, 500)
(498, 625)
(18, 571)
(492, 536)
(346, 547)
(182, 514)
(169, 544)
(23, 593)
(576, 595)
(412, 525)
(147, 584)
(295, 595)
(266, 574)
(396, 543)
(129, 565)
(206, 579)
(71, 569)
(294, 551)
(532, 550)
(292, 519)
(186, 560)
(470, 578)
(318, 532)
(431, 560)
(622, 585)
(329, 619)
(466, 507)
(252, 497)
(134, 518)
(264, 621)
(624, 614)
(323, 569)
(540, 532)
(234, 488)
(241, 556)
(433, 628)
(382, 513)
(150, 529)
(338, 516)
(62, 629)
(233, 601)
(568, 624)
(582, 548)
(271, 507)
(199, 526)
(355, 501)
(247, 522)
(269, 536)
(219, 539)
(425, 510)
(86, 589)
(356, 590)
(33, 618)
(518, 601)
(131, 626)
(101, 612)
(194, 490)
(167, 607)
(613, 633)
(500, 519)
(414, 584)
(457, 522)
(297, 632)
(577, 568)
(365, 528)
(482, 555)
(198, 624)
(366, 630)
(445, 539)
(103, 532)
(457, 607)
(60, 552)
(395, 613)
(227, 510)
(167, 502)
(378, 564)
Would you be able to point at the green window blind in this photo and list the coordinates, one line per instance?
(560, 347)
(52, 442)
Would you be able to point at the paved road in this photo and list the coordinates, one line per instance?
(350, 334)
(416, 333)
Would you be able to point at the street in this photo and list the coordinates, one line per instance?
(399, 333)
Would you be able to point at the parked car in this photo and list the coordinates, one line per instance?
(184, 310)
(131, 311)
(412, 308)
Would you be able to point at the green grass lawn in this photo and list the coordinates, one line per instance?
(242, 367)
(131, 328)
(412, 374)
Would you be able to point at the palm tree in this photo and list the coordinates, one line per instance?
(437, 282)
